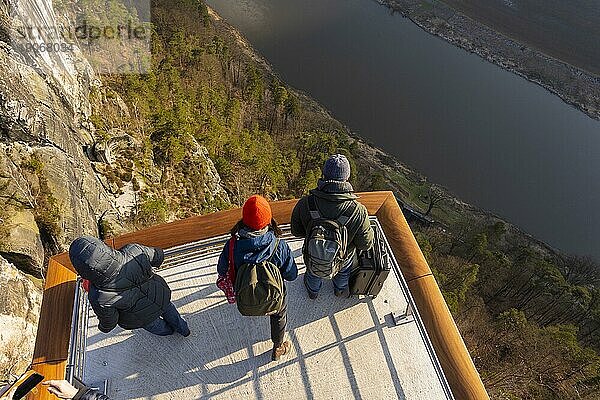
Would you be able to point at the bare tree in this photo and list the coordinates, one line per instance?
(581, 270)
(435, 198)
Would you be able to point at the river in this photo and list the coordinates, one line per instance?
(493, 138)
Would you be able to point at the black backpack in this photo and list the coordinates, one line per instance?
(325, 247)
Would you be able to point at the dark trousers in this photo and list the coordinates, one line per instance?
(279, 323)
(340, 280)
(169, 322)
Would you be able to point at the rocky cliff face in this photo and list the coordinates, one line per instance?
(50, 190)
(50, 193)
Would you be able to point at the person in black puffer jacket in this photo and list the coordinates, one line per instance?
(124, 290)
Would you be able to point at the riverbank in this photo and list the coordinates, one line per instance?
(573, 85)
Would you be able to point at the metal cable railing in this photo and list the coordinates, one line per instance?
(414, 312)
(78, 338)
(195, 251)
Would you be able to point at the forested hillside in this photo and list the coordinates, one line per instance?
(205, 87)
(529, 315)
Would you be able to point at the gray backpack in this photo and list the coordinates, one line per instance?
(325, 247)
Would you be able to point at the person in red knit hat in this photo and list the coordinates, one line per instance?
(255, 239)
(256, 212)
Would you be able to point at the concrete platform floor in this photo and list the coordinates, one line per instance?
(342, 349)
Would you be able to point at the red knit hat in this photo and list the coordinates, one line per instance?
(256, 212)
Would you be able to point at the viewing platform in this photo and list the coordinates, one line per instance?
(396, 345)
(341, 348)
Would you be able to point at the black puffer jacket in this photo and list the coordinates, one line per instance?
(124, 290)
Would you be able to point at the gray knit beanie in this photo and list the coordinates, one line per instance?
(336, 168)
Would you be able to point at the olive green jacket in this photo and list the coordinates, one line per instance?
(333, 198)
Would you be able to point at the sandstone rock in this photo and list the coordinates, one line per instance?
(20, 302)
(76, 188)
(69, 182)
(23, 247)
(211, 186)
(107, 151)
(44, 110)
(21, 242)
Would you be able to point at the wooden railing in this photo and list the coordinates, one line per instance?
(51, 350)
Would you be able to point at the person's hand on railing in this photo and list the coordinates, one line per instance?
(61, 389)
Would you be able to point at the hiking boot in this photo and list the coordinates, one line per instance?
(280, 350)
(344, 293)
(311, 295)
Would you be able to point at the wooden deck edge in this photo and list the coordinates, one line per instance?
(52, 341)
(462, 376)
(54, 327)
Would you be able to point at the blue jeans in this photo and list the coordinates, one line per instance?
(169, 322)
(340, 281)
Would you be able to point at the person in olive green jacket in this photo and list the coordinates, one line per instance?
(334, 197)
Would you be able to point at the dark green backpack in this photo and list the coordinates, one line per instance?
(259, 288)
